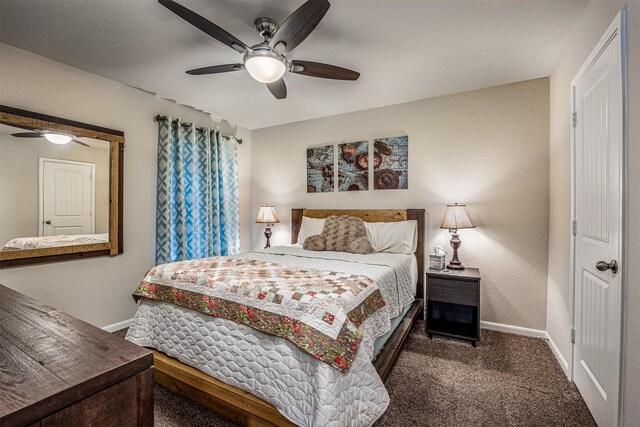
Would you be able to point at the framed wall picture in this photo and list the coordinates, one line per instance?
(320, 169)
(353, 166)
(391, 163)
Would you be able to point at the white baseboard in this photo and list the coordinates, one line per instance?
(118, 326)
(556, 352)
(536, 333)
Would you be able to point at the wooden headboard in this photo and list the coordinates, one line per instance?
(371, 215)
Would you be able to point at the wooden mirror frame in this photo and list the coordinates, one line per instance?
(30, 120)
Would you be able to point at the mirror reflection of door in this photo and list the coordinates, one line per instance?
(67, 195)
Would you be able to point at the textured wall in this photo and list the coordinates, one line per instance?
(487, 148)
(596, 18)
(99, 290)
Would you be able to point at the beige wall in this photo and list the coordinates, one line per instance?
(19, 209)
(99, 290)
(488, 148)
(596, 18)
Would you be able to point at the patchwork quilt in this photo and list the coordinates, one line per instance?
(319, 311)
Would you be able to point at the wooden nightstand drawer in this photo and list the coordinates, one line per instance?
(453, 291)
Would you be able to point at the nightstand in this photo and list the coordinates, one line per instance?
(453, 304)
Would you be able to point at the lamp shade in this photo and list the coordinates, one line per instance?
(455, 217)
(268, 215)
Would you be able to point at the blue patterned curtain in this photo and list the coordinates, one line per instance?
(197, 199)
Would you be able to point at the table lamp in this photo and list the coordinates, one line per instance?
(267, 215)
(455, 218)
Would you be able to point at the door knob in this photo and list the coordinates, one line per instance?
(47, 221)
(604, 266)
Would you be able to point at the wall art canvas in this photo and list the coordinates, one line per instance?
(391, 163)
(353, 166)
(320, 169)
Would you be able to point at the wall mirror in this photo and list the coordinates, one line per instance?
(60, 188)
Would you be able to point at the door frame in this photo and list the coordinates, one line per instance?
(617, 27)
(41, 161)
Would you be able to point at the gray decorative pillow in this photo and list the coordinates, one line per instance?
(361, 245)
(314, 243)
(340, 231)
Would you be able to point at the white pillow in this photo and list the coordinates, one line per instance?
(309, 227)
(400, 237)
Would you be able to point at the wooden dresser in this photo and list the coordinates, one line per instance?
(56, 370)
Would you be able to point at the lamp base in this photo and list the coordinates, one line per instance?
(458, 266)
(455, 263)
(267, 234)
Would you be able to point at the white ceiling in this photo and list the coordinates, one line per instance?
(404, 50)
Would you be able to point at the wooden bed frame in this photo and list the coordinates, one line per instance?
(249, 410)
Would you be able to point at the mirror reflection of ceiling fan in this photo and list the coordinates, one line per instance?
(53, 137)
(268, 61)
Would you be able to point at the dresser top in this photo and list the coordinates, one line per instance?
(467, 273)
(50, 360)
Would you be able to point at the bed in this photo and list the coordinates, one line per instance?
(24, 243)
(260, 379)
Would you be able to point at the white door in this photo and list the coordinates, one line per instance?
(67, 197)
(598, 157)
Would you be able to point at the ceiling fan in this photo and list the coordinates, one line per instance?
(53, 137)
(267, 61)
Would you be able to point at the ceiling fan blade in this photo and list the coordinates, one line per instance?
(278, 89)
(216, 69)
(205, 25)
(27, 135)
(300, 24)
(80, 142)
(324, 71)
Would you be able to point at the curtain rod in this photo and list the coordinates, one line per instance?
(159, 118)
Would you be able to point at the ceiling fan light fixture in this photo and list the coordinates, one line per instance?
(265, 66)
(57, 138)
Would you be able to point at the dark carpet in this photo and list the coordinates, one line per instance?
(508, 380)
